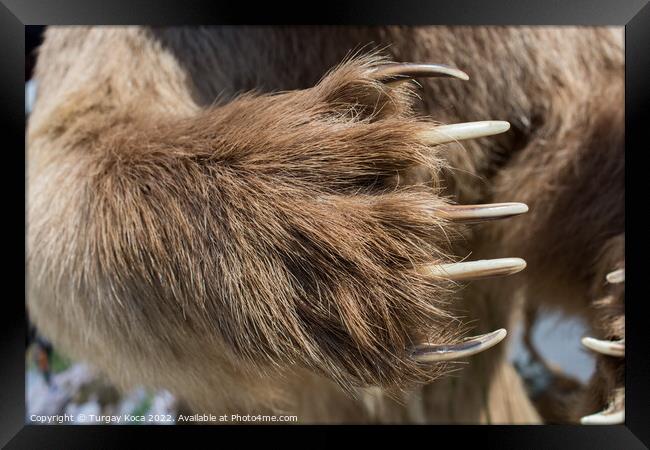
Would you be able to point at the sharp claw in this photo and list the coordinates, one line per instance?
(610, 348)
(614, 414)
(447, 352)
(395, 73)
(481, 213)
(617, 276)
(443, 134)
(604, 418)
(473, 270)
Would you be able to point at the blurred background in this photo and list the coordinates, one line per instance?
(58, 385)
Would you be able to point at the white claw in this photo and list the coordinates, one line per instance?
(473, 270)
(604, 418)
(615, 277)
(399, 72)
(610, 348)
(481, 213)
(443, 134)
(446, 352)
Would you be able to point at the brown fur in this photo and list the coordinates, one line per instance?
(243, 250)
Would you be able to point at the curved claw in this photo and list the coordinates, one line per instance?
(473, 270)
(446, 352)
(481, 213)
(604, 418)
(444, 134)
(610, 348)
(396, 73)
(615, 277)
(613, 415)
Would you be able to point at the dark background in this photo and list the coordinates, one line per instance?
(33, 38)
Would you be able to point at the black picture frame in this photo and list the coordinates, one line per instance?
(16, 14)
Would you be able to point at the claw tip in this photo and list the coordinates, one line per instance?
(617, 276)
